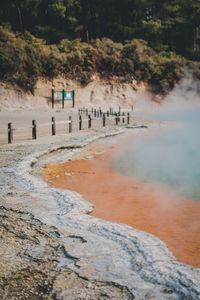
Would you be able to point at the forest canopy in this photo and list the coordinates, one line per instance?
(165, 25)
(131, 40)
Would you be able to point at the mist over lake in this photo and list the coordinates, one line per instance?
(172, 158)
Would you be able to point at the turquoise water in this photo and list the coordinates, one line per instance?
(171, 159)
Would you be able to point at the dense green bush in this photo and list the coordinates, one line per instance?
(84, 77)
(25, 58)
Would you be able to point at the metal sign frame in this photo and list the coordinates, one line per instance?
(62, 96)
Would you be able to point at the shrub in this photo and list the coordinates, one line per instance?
(84, 78)
(27, 82)
(68, 46)
(51, 66)
(24, 58)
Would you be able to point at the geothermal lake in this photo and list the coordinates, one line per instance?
(171, 159)
(149, 182)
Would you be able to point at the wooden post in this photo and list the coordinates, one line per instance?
(70, 124)
(34, 130)
(52, 98)
(63, 99)
(123, 119)
(89, 121)
(119, 116)
(53, 126)
(116, 119)
(128, 118)
(80, 122)
(104, 120)
(95, 112)
(10, 133)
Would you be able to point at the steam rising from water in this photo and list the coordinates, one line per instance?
(173, 157)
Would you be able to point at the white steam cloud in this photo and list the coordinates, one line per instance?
(172, 158)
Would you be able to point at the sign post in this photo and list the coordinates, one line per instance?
(73, 103)
(63, 99)
(52, 97)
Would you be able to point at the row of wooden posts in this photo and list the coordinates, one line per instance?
(98, 112)
(116, 116)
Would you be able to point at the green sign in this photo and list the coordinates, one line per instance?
(58, 96)
(69, 95)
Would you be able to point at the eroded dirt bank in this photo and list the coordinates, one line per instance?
(98, 93)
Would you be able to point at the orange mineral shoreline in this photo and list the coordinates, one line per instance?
(121, 198)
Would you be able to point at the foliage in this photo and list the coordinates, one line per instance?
(25, 58)
(130, 39)
(163, 24)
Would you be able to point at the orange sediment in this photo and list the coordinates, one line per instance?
(121, 198)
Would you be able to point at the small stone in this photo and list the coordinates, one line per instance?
(90, 285)
(167, 291)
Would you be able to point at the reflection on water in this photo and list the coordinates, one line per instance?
(171, 159)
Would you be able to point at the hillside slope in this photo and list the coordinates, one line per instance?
(98, 93)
